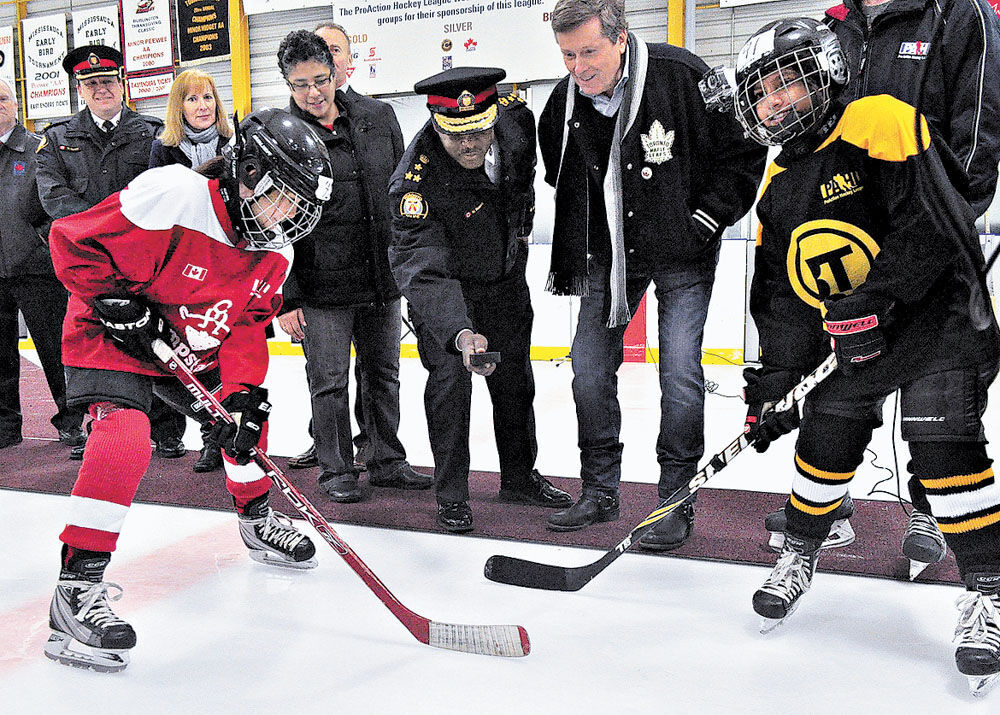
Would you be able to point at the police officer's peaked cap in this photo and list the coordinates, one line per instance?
(93, 61)
(462, 100)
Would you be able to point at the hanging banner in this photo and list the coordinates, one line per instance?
(97, 27)
(202, 30)
(47, 86)
(8, 60)
(149, 86)
(252, 7)
(146, 28)
(398, 42)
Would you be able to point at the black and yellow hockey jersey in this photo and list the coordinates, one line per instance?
(851, 216)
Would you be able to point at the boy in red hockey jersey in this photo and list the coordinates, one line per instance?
(197, 260)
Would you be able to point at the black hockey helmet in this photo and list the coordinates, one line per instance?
(273, 151)
(800, 53)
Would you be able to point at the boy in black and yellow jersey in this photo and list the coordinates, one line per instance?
(853, 251)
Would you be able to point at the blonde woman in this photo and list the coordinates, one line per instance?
(196, 124)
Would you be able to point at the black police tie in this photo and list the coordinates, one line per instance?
(108, 126)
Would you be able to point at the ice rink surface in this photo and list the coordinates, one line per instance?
(220, 633)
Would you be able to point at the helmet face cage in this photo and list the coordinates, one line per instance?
(277, 216)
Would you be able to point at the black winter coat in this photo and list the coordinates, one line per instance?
(22, 251)
(344, 261)
(161, 155)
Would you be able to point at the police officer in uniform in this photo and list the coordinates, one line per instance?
(93, 154)
(463, 204)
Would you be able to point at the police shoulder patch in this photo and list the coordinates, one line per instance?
(412, 205)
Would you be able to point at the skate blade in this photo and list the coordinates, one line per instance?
(916, 568)
(269, 559)
(769, 624)
(68, 651)
(979, 685)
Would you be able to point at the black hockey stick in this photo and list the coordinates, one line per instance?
(481, 639)
(531, 574)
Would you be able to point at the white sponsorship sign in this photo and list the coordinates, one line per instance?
(146, 25)
(149, 86)
(97, 27)
(734, 3)
(8, 60)
(252, 7)
(395, 43)
(47, 86)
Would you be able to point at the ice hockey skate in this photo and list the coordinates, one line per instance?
(778, 598)
(978, 632)
(841, 532)
(923, 543)
(272, 539)
(86, 633)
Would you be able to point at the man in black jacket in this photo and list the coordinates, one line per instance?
(340, 289)
(646, 181)
(27, 283)
(463, 201)
(93, 154)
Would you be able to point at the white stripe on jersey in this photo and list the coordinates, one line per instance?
(96, 514)
(169, 196)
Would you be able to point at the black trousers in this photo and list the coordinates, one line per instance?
(504, 316)
(42, 301)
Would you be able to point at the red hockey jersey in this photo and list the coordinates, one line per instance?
(167, 237)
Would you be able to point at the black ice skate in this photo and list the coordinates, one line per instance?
(841, 533)
(272, 539)
(923, 543)
(86, 633)
(978, 632)
(778, 598)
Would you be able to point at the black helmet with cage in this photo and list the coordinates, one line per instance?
(279, 158)
(799, 56)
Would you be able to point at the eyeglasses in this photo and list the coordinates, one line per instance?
(303, 87)
(95, 83)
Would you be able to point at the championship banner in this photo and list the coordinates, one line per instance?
(146, 26)
(149, 86)
(8, 60)
(46, 85)
(202, 30)
(253, 7)
(97, 27)
(395, 43)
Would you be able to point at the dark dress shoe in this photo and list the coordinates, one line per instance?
(10, 440)
(170, 448)
(363, 456)
(305, 460)
(72, 437)
(210, 459)
(591, 509)
(671, 531)
(538, 492)
(342, 488)
(403, 478)
(455, 516)
(76, 454)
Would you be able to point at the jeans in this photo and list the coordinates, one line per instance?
(375, 332)
(683, 295)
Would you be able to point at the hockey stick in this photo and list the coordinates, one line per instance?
(531, 574)
(484, 640)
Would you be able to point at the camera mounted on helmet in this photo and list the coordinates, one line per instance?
(284, 175)
(787, 75)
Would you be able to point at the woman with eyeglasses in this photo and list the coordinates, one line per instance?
(340, 289)
(196, 124)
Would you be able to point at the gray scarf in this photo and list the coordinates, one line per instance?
(199, 146)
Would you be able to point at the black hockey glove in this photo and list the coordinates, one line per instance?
(249, 411)
(764, 389)
(133, 324)
(856, 324)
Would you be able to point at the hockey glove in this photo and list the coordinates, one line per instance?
(249, 411)
(856, 324)
(132, 324)
(763, 390)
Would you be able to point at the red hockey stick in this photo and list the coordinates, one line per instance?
(485, 640)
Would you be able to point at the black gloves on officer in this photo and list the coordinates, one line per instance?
(764, 389)
(133, 324)
(856, 324)
(249, 411)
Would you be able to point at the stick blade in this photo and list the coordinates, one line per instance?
(506, 641)
(529, 574)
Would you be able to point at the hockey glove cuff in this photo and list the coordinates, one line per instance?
(133, 325)
(763, 390)
(856, 324)
(249, 411)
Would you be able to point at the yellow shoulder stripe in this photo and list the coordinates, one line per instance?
(882, 126)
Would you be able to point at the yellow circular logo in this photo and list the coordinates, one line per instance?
(827, 257)
(412, 205)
